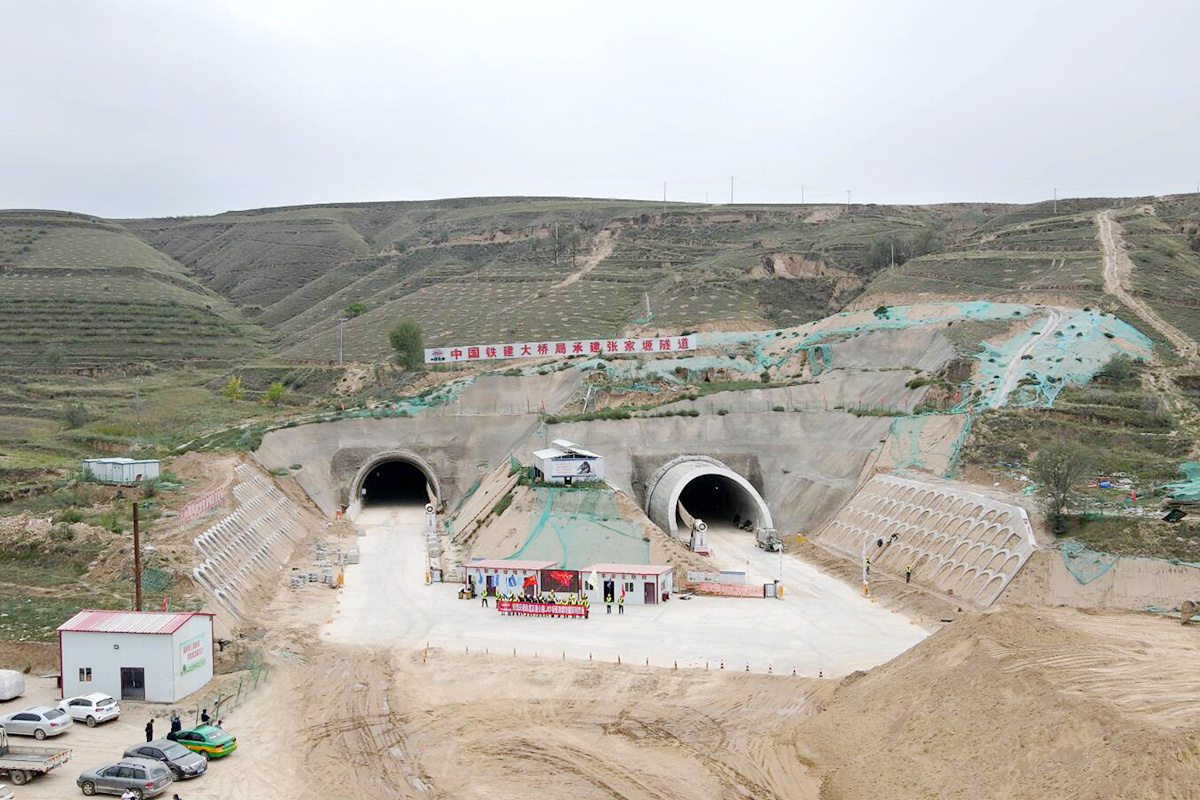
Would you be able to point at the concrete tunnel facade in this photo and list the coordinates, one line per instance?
(680, 476)
(412, 467)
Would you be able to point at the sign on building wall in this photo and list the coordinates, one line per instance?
(560, 580)
(192, 655)
(581, 468)
(577, 347)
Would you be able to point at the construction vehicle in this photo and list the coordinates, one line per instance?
(768, 539)
(22, 764)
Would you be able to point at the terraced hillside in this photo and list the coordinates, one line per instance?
(504, 269)
(81, 292)
(1010, 254)
(1163, 240)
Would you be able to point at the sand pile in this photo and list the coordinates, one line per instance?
(1020, 703)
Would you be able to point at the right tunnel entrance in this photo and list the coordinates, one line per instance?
(704, 488)
(716, 499)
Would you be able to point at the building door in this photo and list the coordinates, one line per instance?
(133, 683)
(609, 592)
(650, 597)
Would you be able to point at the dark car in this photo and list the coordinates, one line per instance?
(143, 777)
(183, 762)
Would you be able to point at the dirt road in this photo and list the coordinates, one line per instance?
(603, 248)
(1118, 281)
(1017, 367)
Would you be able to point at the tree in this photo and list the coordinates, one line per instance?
(1059, 468)
(233, 388)
(355, 309)
(274, 394)
(409, 342)
(881, 312)
(1119, 368)
(75, 415)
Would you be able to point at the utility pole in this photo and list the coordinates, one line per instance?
(341, 335)
(664, 201)
(137, 410)
(1055, 199)
(802, 194)
(137, 560)
(847, 199)
(893, 244)
(730, 190)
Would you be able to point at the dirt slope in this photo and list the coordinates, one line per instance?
(1020, 703)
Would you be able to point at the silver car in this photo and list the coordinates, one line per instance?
(182, 762)
(141, 776)
(37, 721)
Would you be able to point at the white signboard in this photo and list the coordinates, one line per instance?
(577, 347)
(581, 468)
(192, 655)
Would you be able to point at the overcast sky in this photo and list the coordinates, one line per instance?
(126, 108)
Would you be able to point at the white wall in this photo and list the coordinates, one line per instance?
(157, 653)
(198, 627)
(636, 596)
(151, 652)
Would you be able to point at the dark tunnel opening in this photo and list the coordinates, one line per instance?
(394, 483)
(717, 499)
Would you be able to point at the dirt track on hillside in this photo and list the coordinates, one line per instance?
(1118, 281)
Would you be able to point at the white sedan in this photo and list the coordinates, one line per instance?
(36, 721)
(91, 708)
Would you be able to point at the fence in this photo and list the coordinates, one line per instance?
(227, 697)
(198, 506)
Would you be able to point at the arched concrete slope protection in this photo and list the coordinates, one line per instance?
(710, 491)
(405, 465)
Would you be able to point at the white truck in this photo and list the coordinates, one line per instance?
(21, 764)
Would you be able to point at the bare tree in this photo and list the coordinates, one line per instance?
(1060, 468)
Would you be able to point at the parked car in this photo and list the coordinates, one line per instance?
(12, 684)
(182, 762)
(91, 708)
(144, 777)
(37, 721)
(6, 793)
(207, 740)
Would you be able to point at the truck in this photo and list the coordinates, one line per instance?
(768, 539)
(21, 764)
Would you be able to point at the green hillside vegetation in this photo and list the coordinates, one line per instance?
(79, 292)
(1165, 250)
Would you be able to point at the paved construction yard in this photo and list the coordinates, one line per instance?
(821, 625)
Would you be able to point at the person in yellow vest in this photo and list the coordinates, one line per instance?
(908, 573)
(621, 602)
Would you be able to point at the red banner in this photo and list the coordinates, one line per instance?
(526, 608)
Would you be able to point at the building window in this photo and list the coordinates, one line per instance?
(628, 586)
(85, 674)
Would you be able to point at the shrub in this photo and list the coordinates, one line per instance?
(274, 394)
(75, 415)
(779, 408)
(765, 377)
(1119, 368)
(233, 388)
(355, 309)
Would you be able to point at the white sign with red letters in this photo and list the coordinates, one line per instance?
(577, 347)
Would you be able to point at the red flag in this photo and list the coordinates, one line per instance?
(164, 603)
(530, 580)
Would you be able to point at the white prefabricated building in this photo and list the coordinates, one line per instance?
(156, 656)
(122, 470)
(567, 463)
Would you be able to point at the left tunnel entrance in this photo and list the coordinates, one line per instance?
(394, 482)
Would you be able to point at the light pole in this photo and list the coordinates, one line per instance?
(341, 334)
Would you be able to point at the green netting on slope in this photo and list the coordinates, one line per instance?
(904, 442)
(581, 527)
(1187, 489)
(1079, 348)
(156, 580)
(820, 358)
(1083, 562)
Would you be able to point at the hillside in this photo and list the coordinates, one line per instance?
(78, 291)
